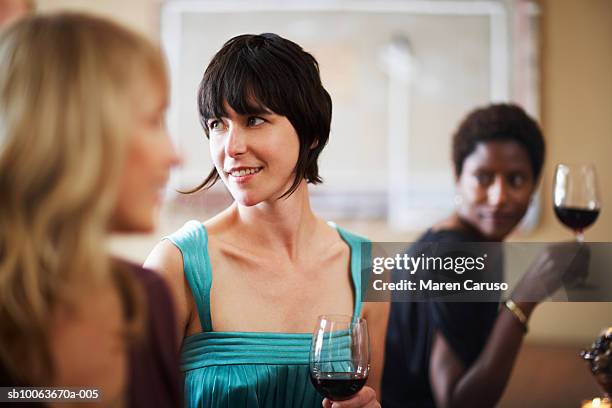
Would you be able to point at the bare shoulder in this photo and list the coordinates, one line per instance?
(329, 240)
(166, 259)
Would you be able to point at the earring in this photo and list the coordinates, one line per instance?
(458, 200)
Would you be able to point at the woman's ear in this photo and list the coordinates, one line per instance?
(457, 179)
(314, 143)
(534, 187)
(458, 199)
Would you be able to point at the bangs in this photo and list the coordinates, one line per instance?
(238, 79)
(242, 97)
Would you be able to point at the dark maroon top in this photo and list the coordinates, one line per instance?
(154, 378)
(154, 365)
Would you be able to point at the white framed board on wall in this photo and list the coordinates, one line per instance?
(401, 75)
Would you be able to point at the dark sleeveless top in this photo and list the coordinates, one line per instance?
(154, 378)
(412, 325)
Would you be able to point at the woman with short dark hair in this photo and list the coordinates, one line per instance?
(448, 354)
(251, 281)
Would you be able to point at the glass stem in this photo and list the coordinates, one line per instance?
(580, 236)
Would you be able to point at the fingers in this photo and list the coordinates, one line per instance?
(365, 398)
(579, 264)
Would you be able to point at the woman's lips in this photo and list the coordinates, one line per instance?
(243, 174)
(499, 218)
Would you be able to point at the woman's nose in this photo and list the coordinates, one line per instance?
(173, 157)
(498, 192)
(235, 144)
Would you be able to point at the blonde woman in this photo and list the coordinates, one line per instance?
(83, 153)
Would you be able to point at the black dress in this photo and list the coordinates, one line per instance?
(412, 325)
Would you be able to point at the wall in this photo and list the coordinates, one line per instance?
(576, 76)
(576, 86)
(140, 15)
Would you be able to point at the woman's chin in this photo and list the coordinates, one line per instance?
(246, 200)
(497, 233)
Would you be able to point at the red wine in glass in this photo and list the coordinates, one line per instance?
(576, 197)
(339, 356)
(338, 386)
(577, 219)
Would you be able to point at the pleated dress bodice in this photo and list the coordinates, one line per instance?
(246, 369)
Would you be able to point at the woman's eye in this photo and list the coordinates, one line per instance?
(484, 179)
(517, 180)
(215, 124)
(254, 121)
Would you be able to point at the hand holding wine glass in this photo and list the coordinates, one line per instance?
(340, 361)
(575, 196)
(560, 264)
(365, 398)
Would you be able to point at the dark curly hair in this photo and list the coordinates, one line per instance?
(257, 73)
(498, 122)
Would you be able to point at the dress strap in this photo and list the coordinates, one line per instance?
(361, 253)
(192, 240)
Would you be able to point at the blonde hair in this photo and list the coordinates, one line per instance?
(66, 92)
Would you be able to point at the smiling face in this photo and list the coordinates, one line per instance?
(495, 186)
(254, 154)
(149, 158)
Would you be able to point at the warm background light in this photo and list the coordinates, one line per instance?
(576, 116)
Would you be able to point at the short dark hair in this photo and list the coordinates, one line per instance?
(498, 122)
(255, 73)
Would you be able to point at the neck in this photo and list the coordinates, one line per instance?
(464, 224)
(456, 222)
(284, 224)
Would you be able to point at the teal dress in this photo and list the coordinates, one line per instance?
(245, 369)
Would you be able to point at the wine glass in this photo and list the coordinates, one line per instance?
(339, 356)
(600, 365)
(575, 197)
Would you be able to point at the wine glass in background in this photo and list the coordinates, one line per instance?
(575, 197)
(339, 356)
